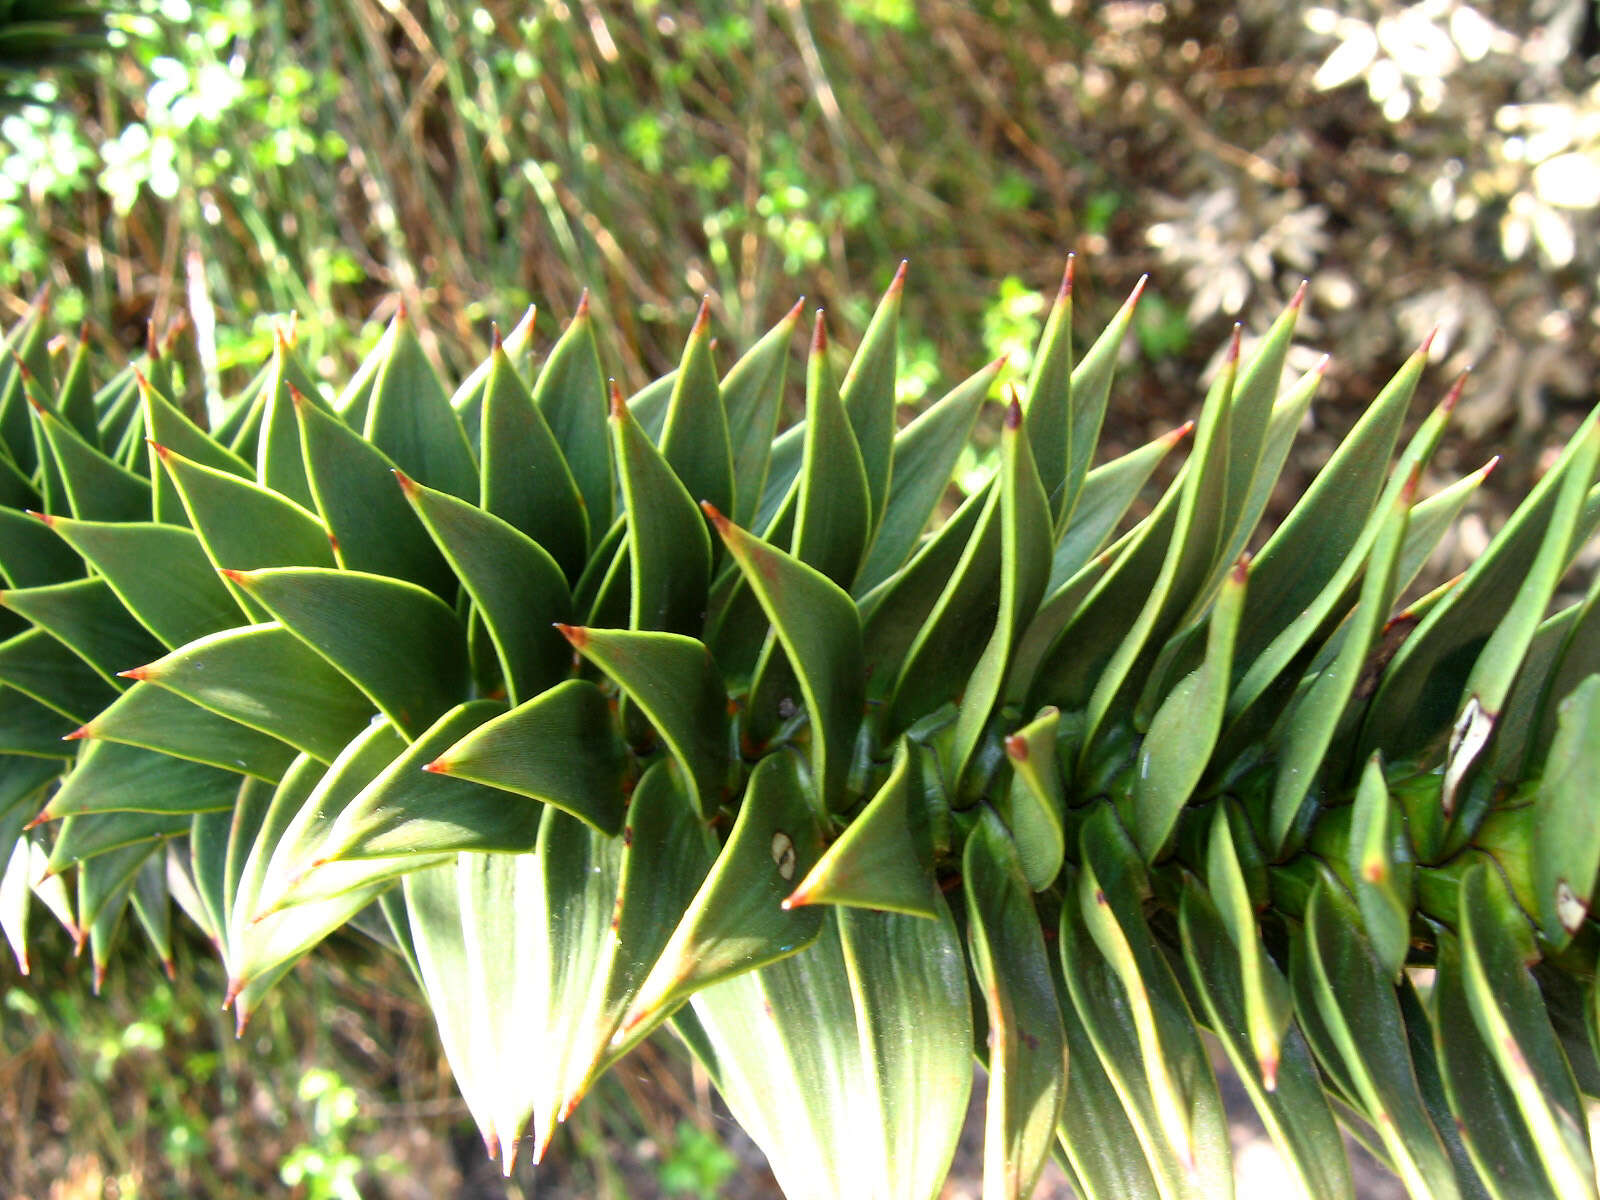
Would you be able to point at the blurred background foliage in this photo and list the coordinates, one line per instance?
(1437, 162)
(222, 163)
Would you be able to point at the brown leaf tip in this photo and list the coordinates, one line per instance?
(1299, 295)
(717, 519)
(439, 766)
(78, 734)
(1017, 747)
(819, 334)
(407, 484)
(1241, 569)
(1014, 412)
(1427, 342)
(619, 406)
(1453, 397)
(296, 396)
(1488, 468)
(1269, 1073)
(46, 518)
(1413, 481)
(1234, 343)
(161, 451)
(793, 315)
(1177, 435)
(577, 635)
(496, 345)
(702, 318)
(136, 673)
(582, 314)
(40, 818)
(1138, 290)
(243, 579)
(1321, 368)
(1068, 275)
(898, 283)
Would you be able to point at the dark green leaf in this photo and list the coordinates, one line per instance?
(1291, 1101)
(242, 525)
(264, 677)
(1188, 1130)
(571, 393)
(526, 482)
(516, 587)
(868, 396)
(561, 747)
(1568, 830)
(410, 419)
(1496, 946)
(752, 391)
(396, 642)
(694, 440)
(41, 668)
(85, 835)
(1024, 571)
(883, 859)
(1493, 1131)
(152, 717)
(677, 687)
(737, 921)
(834, 503)
(1027, 1045)
(1036, 802)
(1312, 558)
(1051, 414)
(1363, 1039)
(28, 728)
(1497, 664)
(817, 624)
(159, 572)
(98, 488)
(86, 616)
(1183, 733)
(280, 462)
(30, 555)
(372, 527)
(1091, 385)
(668, 546)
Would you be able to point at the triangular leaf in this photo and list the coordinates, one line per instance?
(561, 747)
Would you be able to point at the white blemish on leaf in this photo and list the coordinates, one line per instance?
(783, 854)
(1569, 909)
